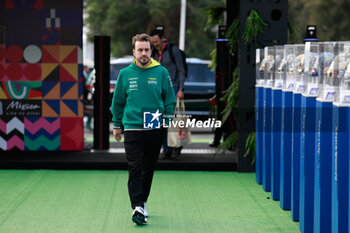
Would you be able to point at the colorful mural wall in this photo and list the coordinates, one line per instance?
(41, 92)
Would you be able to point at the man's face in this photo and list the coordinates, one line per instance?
(142, 52)
(157, 42)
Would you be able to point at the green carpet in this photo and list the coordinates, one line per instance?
(97, 201)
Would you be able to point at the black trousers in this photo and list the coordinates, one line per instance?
(142, 151)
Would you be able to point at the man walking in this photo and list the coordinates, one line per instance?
(142, 94)
(170, 57)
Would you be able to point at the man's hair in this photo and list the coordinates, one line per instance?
(158, 31)
(141, 37)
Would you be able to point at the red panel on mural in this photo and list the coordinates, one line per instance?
(14, 53)
(50, 54)
(72, 133)
(14, 72)
(72, 57)
(38, 4)
(33, 72)
(66, 76)
(9, 4)
(2, 53)
(2, 72)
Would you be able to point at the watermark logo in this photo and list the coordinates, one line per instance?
(156, 120)
(151, 120)
(192, 123)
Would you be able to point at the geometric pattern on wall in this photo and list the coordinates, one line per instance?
(50, 108)
(20, 72)
(11, 133)
(41, 67)
(69, 90)
(51, 90)
(72, 133)
(41, 133)
(34, 4)
(60, 63)
(69, 108)
(20, 90)
(29, 54)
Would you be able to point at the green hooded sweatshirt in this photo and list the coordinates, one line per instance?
(140, 90)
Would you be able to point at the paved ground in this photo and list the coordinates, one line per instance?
(198, 150)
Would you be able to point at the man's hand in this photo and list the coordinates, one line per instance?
(180, 95)
(117, 134)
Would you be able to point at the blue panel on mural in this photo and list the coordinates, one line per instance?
(66, 86)
(62, 4)
(54, 104)
(69, 18)
(22, 27)
(48, 87)
(72, 104)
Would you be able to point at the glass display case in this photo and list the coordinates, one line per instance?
(299, 50)
(339, 70)
(259, 74)
(267, 66)
(328, 78)
(280, 67)
(311, 77)
(290, 59)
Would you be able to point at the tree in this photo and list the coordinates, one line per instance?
(122, 19)
(329, 16)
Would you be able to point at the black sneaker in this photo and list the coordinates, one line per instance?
(214, 144)
(176, 152)
(167, 154)
(138, 216)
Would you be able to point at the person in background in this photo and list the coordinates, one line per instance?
(86, 74)
(173, 62)
(143, 89)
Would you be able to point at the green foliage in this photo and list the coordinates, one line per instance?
(250, 146)
(293, 31)
(214, 16)
(254, 25)
(330, 16)
(231, 97)
(213, 63)
(228, 144)
(122, 19)
(232, 34)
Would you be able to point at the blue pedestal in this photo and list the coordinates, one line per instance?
(267, 140)
(323, 159)
(276, 125)
(259, 124)
(296, 129)
(286, 151)
(340, 169)
(307, 160)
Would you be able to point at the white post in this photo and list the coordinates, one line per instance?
(182, 24)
